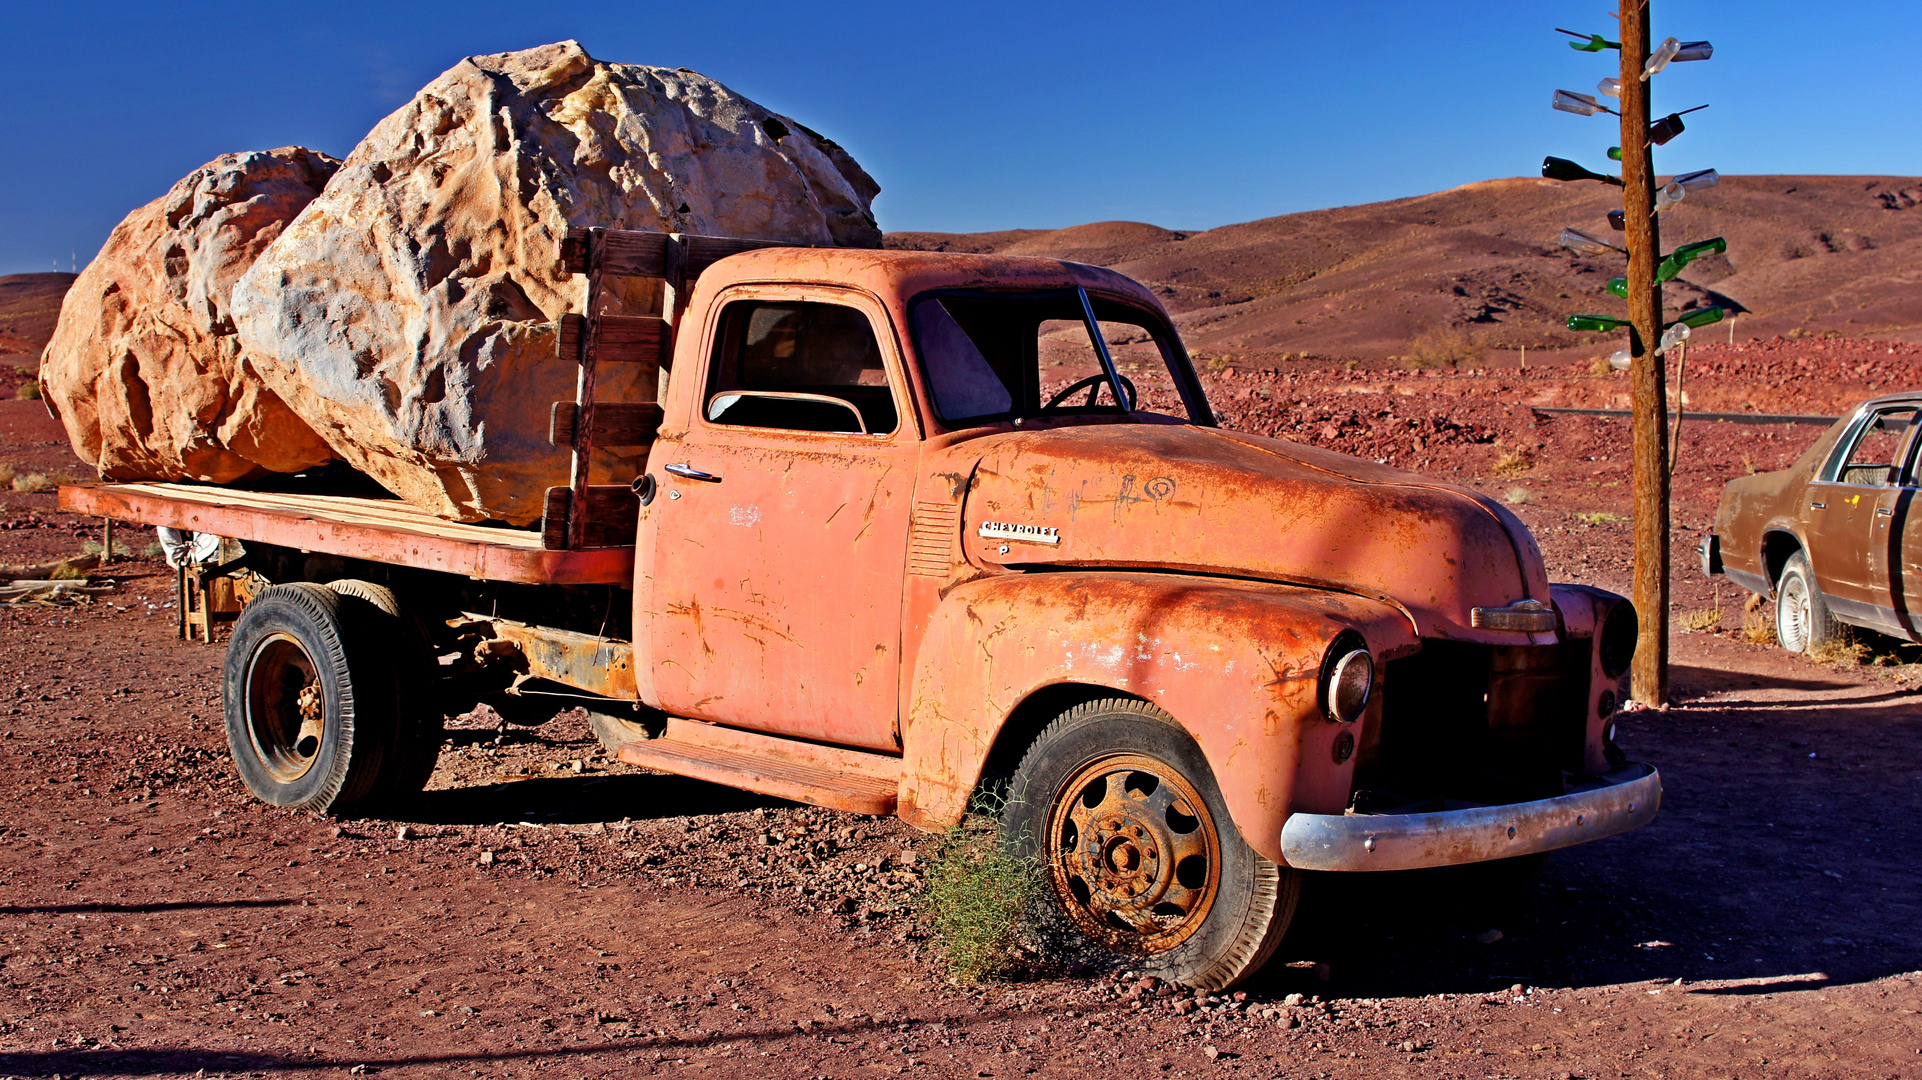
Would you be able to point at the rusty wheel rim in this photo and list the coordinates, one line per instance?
(285, 708)
(1133, 854)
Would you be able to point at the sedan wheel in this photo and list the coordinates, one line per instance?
(1802, 620)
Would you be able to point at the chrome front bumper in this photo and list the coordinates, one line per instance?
(1601, 806)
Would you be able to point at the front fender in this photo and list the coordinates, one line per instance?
(1236, 663)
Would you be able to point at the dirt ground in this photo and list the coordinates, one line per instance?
(545, 912)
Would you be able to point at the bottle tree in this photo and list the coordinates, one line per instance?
(1648, 269)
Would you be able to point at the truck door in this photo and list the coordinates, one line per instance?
(781, 523)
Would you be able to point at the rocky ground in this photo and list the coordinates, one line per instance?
(544, 911)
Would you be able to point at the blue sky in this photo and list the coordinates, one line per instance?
(978, 115)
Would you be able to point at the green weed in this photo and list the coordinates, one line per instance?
(975, 898)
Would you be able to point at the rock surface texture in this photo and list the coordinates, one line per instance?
(144, 368)
(406, 314)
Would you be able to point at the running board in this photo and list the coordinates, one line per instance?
(851, 780)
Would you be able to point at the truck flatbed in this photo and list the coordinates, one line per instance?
(381, 530)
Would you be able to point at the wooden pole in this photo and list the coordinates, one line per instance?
(1648, 677)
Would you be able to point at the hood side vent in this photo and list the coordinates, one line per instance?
(931, 539)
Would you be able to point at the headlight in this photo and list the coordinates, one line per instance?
(1347, 679)
(1615, 641)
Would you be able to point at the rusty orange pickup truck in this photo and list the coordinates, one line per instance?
(918, 526)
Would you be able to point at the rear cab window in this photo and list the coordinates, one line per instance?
(798, 365)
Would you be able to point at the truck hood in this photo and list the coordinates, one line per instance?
(1210, 501)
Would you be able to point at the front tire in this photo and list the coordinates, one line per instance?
(1802, 620)
(307, 702)
(1120, 811)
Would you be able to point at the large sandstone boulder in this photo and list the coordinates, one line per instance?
(144, 368)
(405, 314)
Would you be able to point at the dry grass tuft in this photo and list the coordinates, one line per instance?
(1757, 628)
(7, 473)
(28, 391)
(1513, 463)
(1845, 648)
(1601, 368)
(1443, 346)
(28, 483)
(1707, 619)
(1517, 496)
(1598, 517)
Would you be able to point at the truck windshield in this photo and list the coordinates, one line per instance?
(992, 356)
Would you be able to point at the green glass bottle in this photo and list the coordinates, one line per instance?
(1591, 42)
(1614, 153)
(1554, 168)
(1618, 286)
(1597, 322)
(1707, 316)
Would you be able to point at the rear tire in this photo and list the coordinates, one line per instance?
(419, 727)
(1802, 620)
(1119, 809)
(309, 698)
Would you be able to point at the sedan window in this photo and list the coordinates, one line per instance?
(1874, 459)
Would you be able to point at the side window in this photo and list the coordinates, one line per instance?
(798, 366)
(1874, 459)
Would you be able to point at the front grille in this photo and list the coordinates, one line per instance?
(1483, 724)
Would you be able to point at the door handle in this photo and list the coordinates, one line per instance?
(1884, 511)
(1812, 506)
(689, 472)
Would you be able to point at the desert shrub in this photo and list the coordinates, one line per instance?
(1513, 463)
(1597, 517)
(28, 483)
(975, 898)
(7, 473)
(1757, 628)
(28, 391)
(1444, 346)
(1518, 496)
(1601, 368)
(154, 551)
(67, 571)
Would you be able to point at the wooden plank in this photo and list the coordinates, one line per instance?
(612, 517)
(625, 339)
(616, 423)
(631, 254)
(330, 524)
(381, 513)
(705, 251)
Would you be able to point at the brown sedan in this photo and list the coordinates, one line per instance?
(1836, 537)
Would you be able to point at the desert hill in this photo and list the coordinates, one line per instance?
(29, 305)
(1807, 254)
